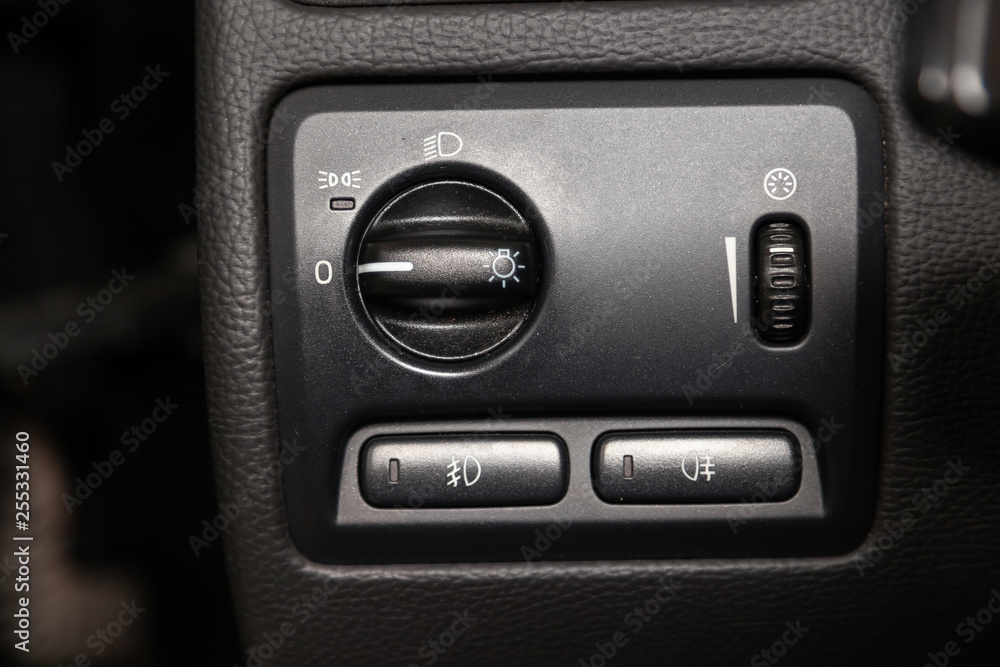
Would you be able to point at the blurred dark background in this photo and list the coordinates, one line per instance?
(125, 206)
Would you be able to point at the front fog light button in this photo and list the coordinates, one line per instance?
(449, 270)
(463, 470)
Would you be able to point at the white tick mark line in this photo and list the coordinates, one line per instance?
(384, 267)
(731, 256)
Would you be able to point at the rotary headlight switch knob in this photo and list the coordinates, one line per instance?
(449, 270)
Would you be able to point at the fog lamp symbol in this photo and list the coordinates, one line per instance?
(504, 266)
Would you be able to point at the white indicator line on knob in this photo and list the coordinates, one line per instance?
(782, 249)
(384, 267)
(731, 256)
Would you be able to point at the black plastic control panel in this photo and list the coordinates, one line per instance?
(739, 497)
(634, 215)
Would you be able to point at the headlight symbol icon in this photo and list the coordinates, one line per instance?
(442, 144)
(504, 266)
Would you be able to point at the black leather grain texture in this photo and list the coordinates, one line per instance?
(933, 557)
(395, 3)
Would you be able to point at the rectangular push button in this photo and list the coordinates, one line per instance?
(463, 470)
(697, 466)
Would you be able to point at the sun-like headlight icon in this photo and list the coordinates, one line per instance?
(504, 266)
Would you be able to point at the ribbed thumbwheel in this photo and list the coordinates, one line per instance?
(449, 270)
(782, 282)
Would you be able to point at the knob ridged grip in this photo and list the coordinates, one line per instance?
(782, 282)
(449, 270)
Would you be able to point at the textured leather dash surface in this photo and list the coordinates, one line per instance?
(893, 600)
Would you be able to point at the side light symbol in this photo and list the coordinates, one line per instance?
(349, 179)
